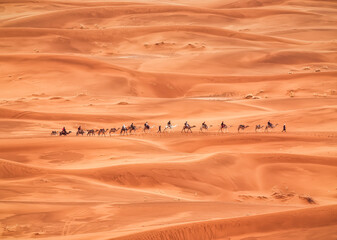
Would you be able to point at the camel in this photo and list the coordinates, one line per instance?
(242, 127)
(170, 127)
(91, 132)
(188, 127)
(124, 130)
(80, 132)
(64, 133)
(54, 133)
(148, 127)
(132, 128)
(113, 130)
(224, 126)
(102, 131)
(258, 127)
(271, 126)
(205, 127)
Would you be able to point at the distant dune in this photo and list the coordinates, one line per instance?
(103, 64)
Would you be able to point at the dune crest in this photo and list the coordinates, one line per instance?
(97, 68)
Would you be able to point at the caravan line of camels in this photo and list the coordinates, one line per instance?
(187, 128)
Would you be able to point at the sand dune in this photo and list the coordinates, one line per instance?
(74, 15)
(222, 229)
(102, 64)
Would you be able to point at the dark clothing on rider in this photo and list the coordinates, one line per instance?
(284, 128)
(159, 128)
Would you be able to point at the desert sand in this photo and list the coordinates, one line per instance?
(102, 64)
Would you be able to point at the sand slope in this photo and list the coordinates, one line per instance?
(102, 64)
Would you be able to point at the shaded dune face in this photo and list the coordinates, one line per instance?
(102, 64)
(186, 187)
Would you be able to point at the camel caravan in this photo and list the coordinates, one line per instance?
(187, 128)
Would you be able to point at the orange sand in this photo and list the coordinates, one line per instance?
(100, 64)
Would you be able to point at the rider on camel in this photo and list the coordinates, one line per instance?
(270, 124)
(64, 130)
(186, 124)
(146, 125)
(222, 124)
(204, 125)
(169, 124)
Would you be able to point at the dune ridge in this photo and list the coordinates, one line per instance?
(105, 64)
(219, 229)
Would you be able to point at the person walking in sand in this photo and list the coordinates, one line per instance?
(284, 128)
(146, 126)
(159, 129)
